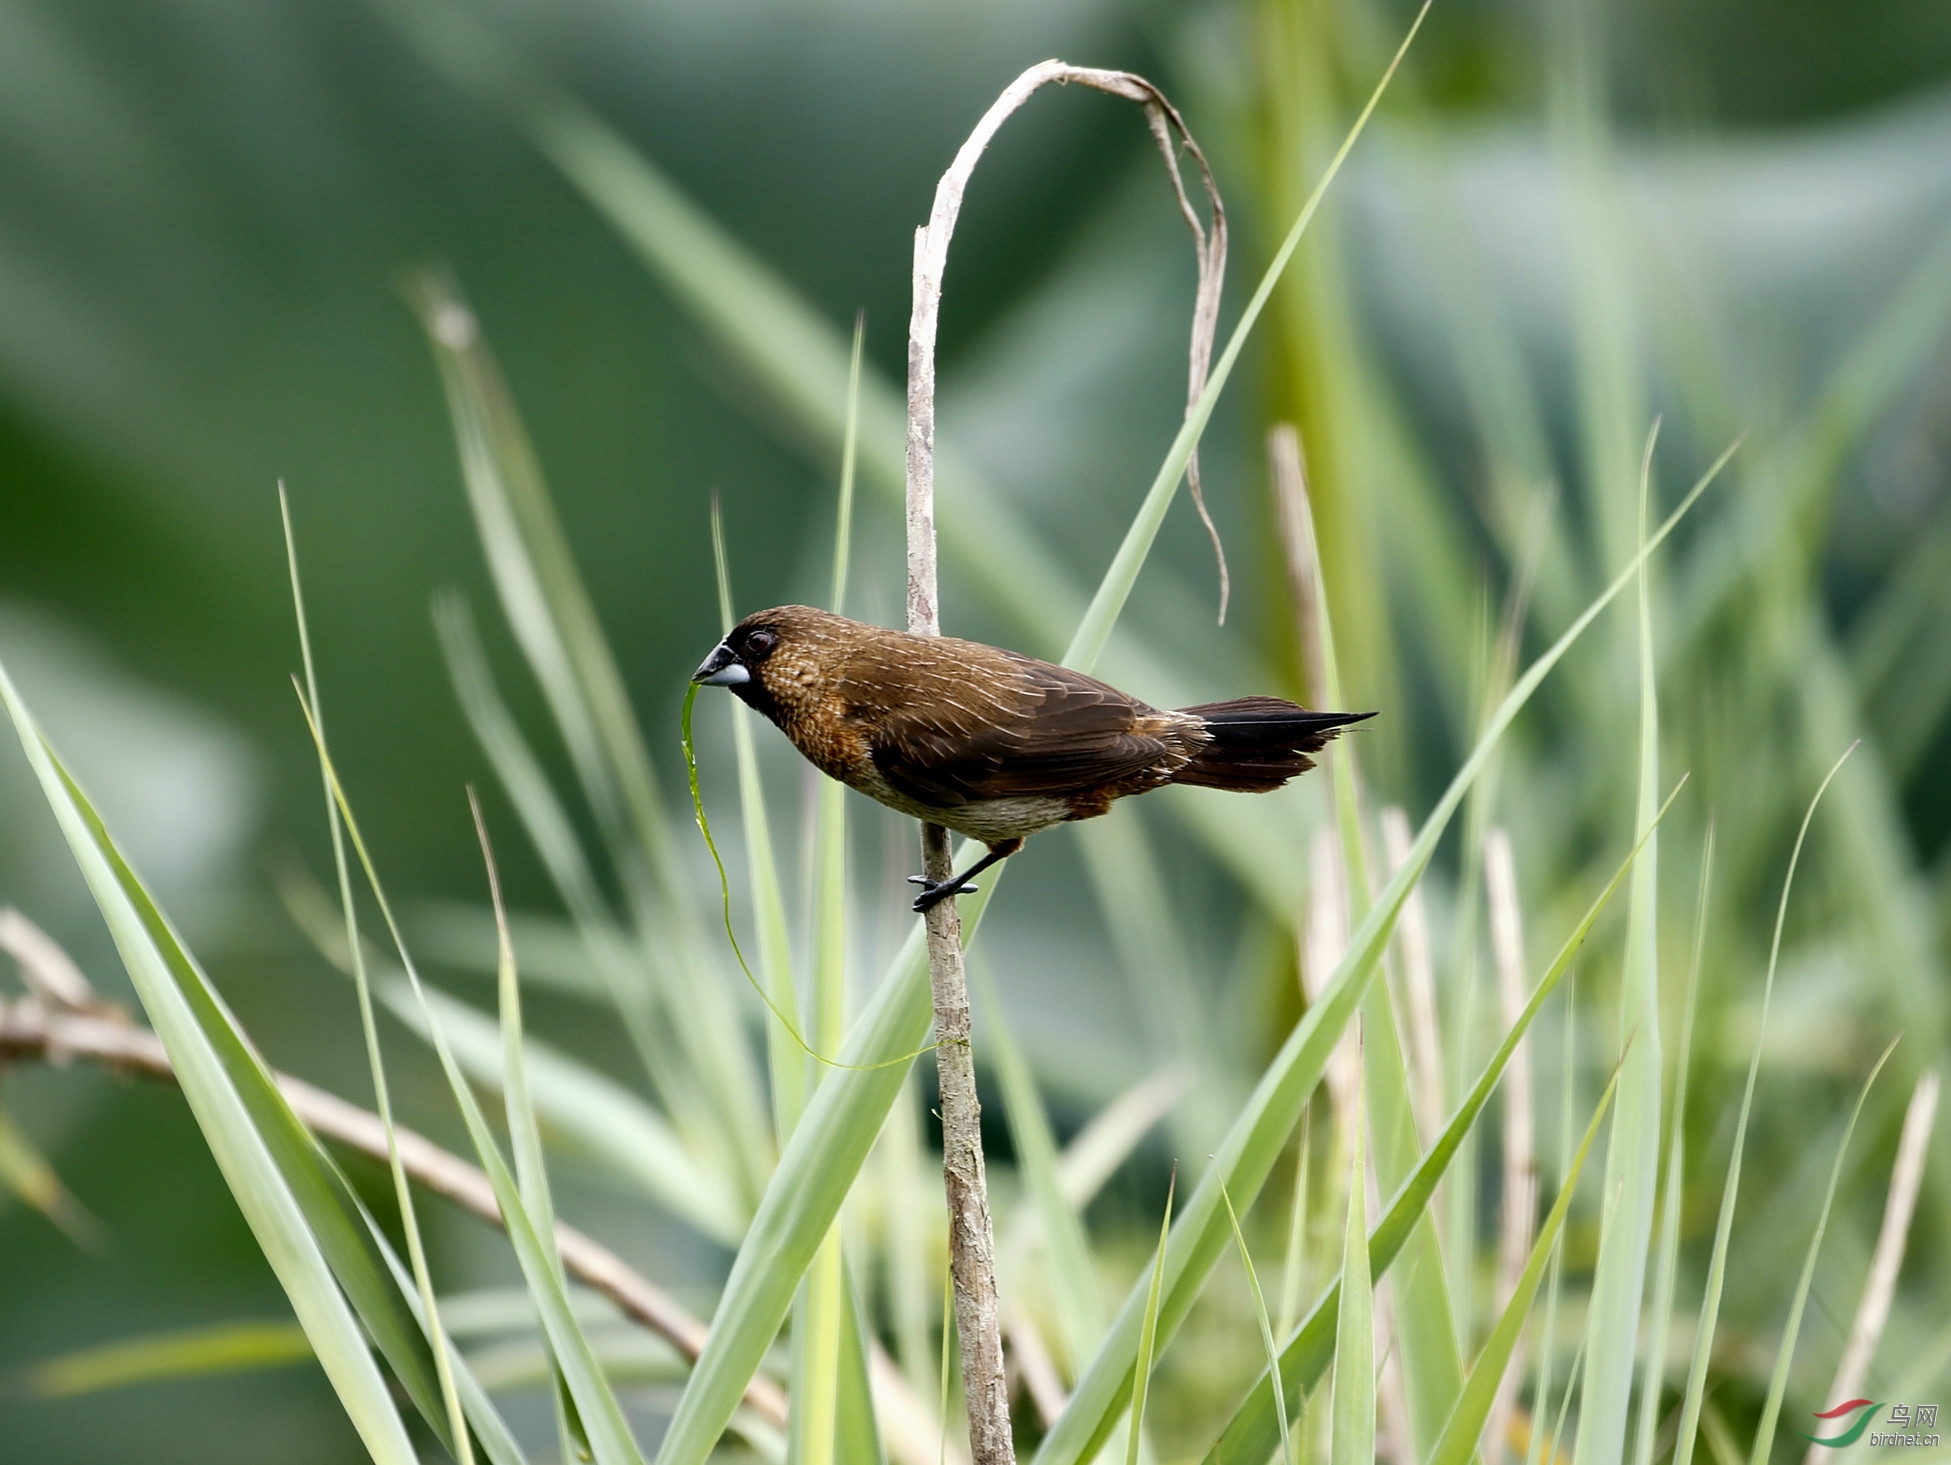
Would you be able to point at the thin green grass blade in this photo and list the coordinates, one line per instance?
(1710, 1304)
(1660, 1319)
(1266, 1327)
(1148, 1333)
(264, 1153)
(815, 1172)
(1095, 630)
(589, 1113)
(221, 1348)
(816, 1356)
(1771, 1410)
(491, 1431)
(618, 970)
(1633, 1148)
(1294, 1267)
(843, 529)
(1069, 1266)
(1568, 1083)
(1458, 1442)
(540, 589)
(856, 1428)
(457, 1431)
(609, 1435)
(1572, 1376)
(549, 610)
(1424, 1317)
(1353, 1410)
(785, 1058)
(825, 1153)
(1262, 1128)
(1252, 1433)
(524, 1134)
(25, 1171)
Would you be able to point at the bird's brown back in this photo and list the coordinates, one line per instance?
(948, 722)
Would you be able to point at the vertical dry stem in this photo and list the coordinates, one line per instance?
(1888, 1259)
(1297, 541)
(972, 1243)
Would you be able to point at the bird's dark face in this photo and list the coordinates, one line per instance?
(770, 656)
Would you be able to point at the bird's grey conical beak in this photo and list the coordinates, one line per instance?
(721, 669)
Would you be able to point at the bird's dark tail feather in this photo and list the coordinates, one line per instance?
(1258, 743)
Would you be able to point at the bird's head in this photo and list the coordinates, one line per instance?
(774, 656)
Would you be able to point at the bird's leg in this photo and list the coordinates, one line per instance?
(935, 892)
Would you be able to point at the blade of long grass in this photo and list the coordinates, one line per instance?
(1660, 1319)
(1095, 630)
(1148, 1333)
(1353, 1409)
(1263, 1126)
(1423, 1318)
(1710, 1304)
(255, 1140)
(1633, 1148)
(1461, 1433)
(592, 1114)
(619, 973)
(220, 1348)
(1519, 1202)
(856, 1422)
(26, 1172)
(816, 1357)
(823, 1157)
(1771, 1409)
(608, 1433)
(1568, 1089)
(1250, 1434)
(416, 1250)
(547, 606)
(1068, 1264)
(1266, 1326)
(1293, 1276)
(524, 1135)
(491, 1431)
(786, 1060)
(540, 589)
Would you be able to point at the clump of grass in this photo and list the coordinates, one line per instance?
(730, 1131)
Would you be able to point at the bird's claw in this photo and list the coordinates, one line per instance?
(933, 892)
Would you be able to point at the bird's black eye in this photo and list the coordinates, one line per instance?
(760, 642)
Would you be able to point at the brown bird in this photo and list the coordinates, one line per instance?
(994, 745)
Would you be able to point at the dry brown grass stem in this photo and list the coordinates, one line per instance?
(931, 263)
(1520, 1206)
(1888, 1258)
(1296, 519)
(972, 1240)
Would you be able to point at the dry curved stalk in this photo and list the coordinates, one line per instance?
(972, 1240)
(931, 261)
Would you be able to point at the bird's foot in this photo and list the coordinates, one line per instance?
(934, 892)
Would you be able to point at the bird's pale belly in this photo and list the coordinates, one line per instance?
(993, 821)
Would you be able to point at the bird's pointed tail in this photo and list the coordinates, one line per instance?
(1258, 743)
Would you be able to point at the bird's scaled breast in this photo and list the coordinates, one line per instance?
(990, 820)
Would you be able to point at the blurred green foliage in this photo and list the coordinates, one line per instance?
(209, 214)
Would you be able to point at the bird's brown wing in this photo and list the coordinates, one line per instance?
(1001, 725)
